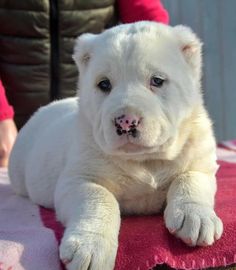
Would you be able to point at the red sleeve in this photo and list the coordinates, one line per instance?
(141, 10)
(6, 111)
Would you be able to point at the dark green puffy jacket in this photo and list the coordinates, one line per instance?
(36, 44)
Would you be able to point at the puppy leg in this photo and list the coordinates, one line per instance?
(92, 219)
(190, 211)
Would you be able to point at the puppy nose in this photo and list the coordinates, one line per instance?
(126, 123)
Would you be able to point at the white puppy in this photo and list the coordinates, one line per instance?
(139, 140)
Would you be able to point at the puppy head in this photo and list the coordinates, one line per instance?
(138, 83)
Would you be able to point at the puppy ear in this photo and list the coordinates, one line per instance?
(191, 47)
(83, 48)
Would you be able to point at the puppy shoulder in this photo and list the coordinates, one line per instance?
(200, 147)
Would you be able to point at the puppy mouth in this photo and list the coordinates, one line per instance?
(131, 148)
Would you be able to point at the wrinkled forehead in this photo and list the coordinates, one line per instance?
(143, 49)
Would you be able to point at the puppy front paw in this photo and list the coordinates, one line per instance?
(85, 250)
(195, 224)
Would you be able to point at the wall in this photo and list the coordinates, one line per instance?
(215, 22)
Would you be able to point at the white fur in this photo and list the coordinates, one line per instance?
(70, 158)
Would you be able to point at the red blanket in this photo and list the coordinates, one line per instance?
(145, 242)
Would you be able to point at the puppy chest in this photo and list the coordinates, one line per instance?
(146, 203)
(135, 196)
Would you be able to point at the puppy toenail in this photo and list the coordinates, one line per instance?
(65, 261)
(204, 243)
(188, 241)
(171, 230)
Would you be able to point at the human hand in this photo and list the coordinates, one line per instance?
(8, 133)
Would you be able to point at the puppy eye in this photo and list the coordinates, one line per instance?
(105, 85)
(157, 81)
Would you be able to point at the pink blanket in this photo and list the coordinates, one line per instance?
(25, 243)
(27, 238)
